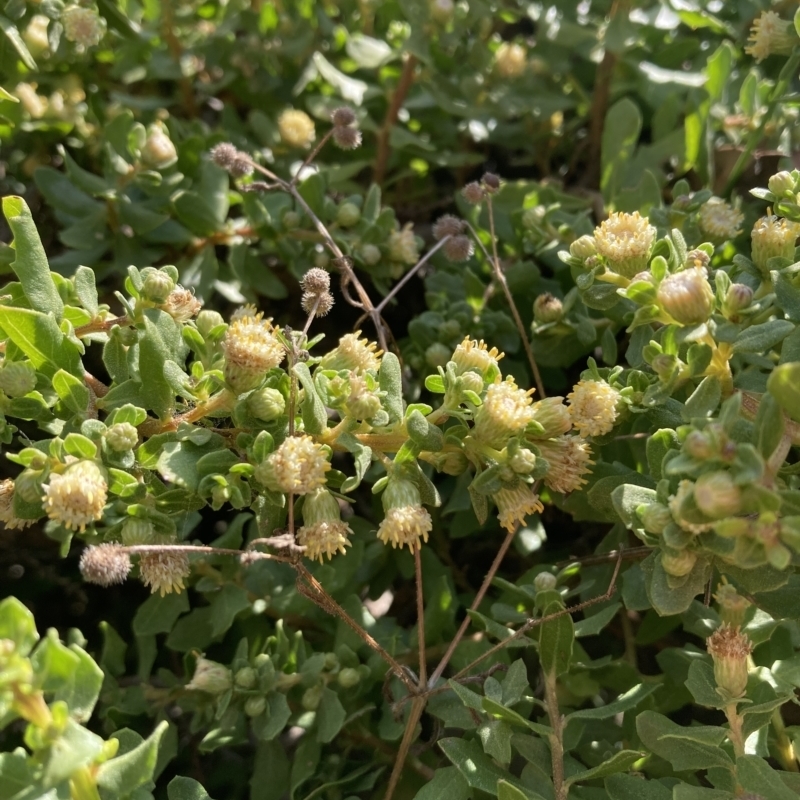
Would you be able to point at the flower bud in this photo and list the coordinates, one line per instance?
(451, 462)
(17, 378)
(687, 296)
(729, 648)
(510, 60)
(695, 258)
(547, 308)
(136, 530)
(583, 247)
(28, 485)
(348, 215)
(698, 446)
(158, 152)
(371, 254)
(321, 259)
(348, 677)
(122, 436)
(782, 183)
(470, 382)
(84, 26)
(655, 517)
(533, 217)
(625, 241)
(361, 403)
(402, 246)
(678, 563)
(255, 706)
(311, 698)
(773, 237)
(771, 35)
(207, 321)
(266, 404)
(732, 606)
(523, 461)
(442, 10)
(437, 354)
(245, 678)
(738, 297)
(545, 582)
(210, 677)
(490, 182)
(716, 495)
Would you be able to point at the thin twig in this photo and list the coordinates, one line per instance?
(398, 98)
(410, 274)
(417, 707)
(311, 156)
(423, 667)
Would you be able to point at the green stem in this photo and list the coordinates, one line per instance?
(560, 787)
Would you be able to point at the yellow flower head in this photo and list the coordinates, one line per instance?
(719, 220)
(296, 128)
(770, 35)
(514, 505)
(352, 353)
(505, 412)
(75, 498)
(593, 407)
(569, 458)
(625, 241)
(298, 466)
(475, 355)
(164, 571)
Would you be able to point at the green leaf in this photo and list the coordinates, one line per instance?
(447, 784)
(76, 747)
(391, 381)
(507, 791)
(477, 769)
(495, 736)
(270, 724)
(784, 385)
(227, 603)
(591, 626)
(362, 458)
(755, 775)
(82, 689)
(556, 639)
(702, 685)
(18, 625)
(627, 498)
(31, 265)
(40, 338)
(72, 391)
(623, 124)
(350, 89)
(422, 433)
(763, 337)
(133, 769)
(499, 711)
(625, 702)
(155, 349)
(667, 599)
(704, 399)
(330, 716)
(180, 788)
(626, 787)
(621, 761)
(11, 32)
(686, 748)
(158, 614)
(312, 409)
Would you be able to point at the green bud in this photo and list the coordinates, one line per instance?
(687, 296)
(210, 677)
(523, 461)
(716, 495)
(470, 382)
(245, 678)
(678, 563)
(655, 517)
(137, 531)
(122, 437)
(17, 378)
(311, 698)
(544, 582)
(331, 661)
(371, 254)
(255, 706)
(698, 446)
(266, 404)
(547, 308)
(738, 297)
(158, 151)
(348, 215)
(451, 462)
(363, 405)
(157, 286)
(291, 220)
(438, 354)
(442, 10)
(349, 677)
(583, 248)
(28, 485)
(208, 320)
(781, 184)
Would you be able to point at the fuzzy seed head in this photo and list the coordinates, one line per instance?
(347, 138)
(354, 354)
(593, 407)
(316, 281)
(320, 304)
(223, 155)
(474, 355)
(773, 237)
(510, 60)
(181, 305)
(569, 459)
(458, 248)
(402, 245)
(770, 35)
(448, 225)
(730, 648)
(342, 117)
(625, 241)
(164, 571)
(296, 128)
(76, 498)
(687, 296)
(473, 193)
(490, 182)
(84, 26)
(505, 412)
(7, 516)
(17, 378)
(553, 416)
(298, 466)
(719, 220)
(515, 504)
(105, 564)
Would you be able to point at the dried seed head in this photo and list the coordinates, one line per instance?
(181, 305)
(241, 166)
(514, 505)
(164, 571)
(342, 117)
(458, 248)
(347, 138)
(491, 182)
(223, 155)
(320, 304)
(105, 564)
(316, 281)
(694, 258)
(593, 407)
(729, 648)
(473, 193)
(448, 225)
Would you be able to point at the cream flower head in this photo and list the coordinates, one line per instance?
(770, 35)
(569, 458)
(719, 220)
(298, 466)
(593, 407)
(164, 571)
(773, 237)
(296, 128)
(475, 355)
(76, 498)
(353, 353)
(515, 504)
(505, 412)
(625, 241)
(7, 515)
(323, 533)
(251, 349)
